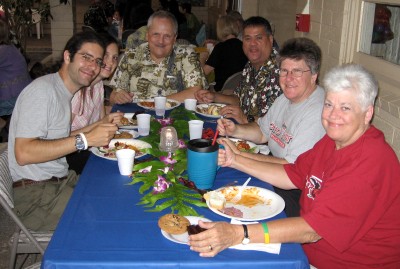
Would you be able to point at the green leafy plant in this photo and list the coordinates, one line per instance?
(164, 181)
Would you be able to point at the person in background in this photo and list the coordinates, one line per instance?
(350, 187)
(139, 17)
(99, 15)
(239, 20)
(172, 6)
(87, 105)
(40, 137)
(259, 84)
(14, 75)
(227, 57)
(159, 66)
(192, 23)
(292, 125)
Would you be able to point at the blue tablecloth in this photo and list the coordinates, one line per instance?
(103, 227)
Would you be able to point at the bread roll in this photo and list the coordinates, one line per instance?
(215, 199)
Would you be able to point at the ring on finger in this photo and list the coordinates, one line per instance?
(210, 247)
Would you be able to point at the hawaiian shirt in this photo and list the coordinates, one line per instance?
(139, 74)
(136, 38)
(257, 90)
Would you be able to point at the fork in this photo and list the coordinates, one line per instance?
(238, 196)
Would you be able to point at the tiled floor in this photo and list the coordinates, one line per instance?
(37, 50)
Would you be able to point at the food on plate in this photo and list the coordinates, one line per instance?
(123, 135)
(215, 199)
(195, 229)
(207, 133)
(173, 224)
(242, 145)
(110, 151)
(210, 109)
(250, 196)
(130, 120)
(151, 104)
(232, 211)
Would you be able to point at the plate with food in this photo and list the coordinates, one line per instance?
(177, 228)
(108, 152)
(149, 104)
(209, 110)
(126, 134)
(255, 204)
(129, 121)
(245, 146)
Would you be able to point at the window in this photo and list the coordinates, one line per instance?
(380, 31)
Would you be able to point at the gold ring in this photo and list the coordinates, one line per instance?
(211, 248)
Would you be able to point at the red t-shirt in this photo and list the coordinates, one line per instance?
(351, 198)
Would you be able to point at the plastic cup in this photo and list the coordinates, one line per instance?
(190, 104)
(195, 129)
(160, 103)
(125, 159)
(143, 124)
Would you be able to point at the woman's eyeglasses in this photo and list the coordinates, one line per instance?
(295, 72)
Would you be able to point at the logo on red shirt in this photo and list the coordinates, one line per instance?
(314, 185)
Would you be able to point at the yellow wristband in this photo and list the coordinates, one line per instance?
(266, 233)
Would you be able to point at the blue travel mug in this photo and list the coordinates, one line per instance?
(202, 162)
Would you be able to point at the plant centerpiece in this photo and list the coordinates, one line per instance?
(164, 180)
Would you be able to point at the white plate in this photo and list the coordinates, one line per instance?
(132, 132)
(132, 125)
(183, 238)
(253, 147)
(272, 206)
(99, 151)
(171, 104)
(205, 106)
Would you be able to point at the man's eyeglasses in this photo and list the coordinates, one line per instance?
(295, 72)
(90, 59)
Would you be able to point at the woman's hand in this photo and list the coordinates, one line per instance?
(234, 112)
(227, 155)
(226, 127)
(113, 118)
(204, 96)
(219, 236)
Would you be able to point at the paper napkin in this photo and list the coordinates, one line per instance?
(270, 248)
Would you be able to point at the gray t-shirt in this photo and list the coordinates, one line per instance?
(292, 129)
(43, 110)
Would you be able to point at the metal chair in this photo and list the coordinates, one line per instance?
(23, 241)
(231, 83)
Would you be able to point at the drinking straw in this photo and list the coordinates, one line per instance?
(215, 137)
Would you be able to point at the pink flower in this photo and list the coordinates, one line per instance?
(168, 159)
(165, 122)
(181, 143)
(160, 185)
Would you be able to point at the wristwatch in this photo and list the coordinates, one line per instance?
(79, 143)
(250, 118)
(246, 238)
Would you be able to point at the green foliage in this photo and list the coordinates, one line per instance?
(178, 198)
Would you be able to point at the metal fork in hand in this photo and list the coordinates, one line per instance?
(238, 196)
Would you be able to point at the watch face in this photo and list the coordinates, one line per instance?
(246, 241)
(79, 144)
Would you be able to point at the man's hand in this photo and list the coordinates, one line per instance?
(204, 96)
(226, 127)
(227, 156)
(101, 134)
(234, 112)
(121, 97)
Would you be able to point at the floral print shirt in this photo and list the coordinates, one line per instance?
(257, 90)
(139, 74)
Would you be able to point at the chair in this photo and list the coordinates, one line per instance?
(23, 241)
(87, 28)
(231, 83)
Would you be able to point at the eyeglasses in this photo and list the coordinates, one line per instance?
(90, 59)
(295, 72)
